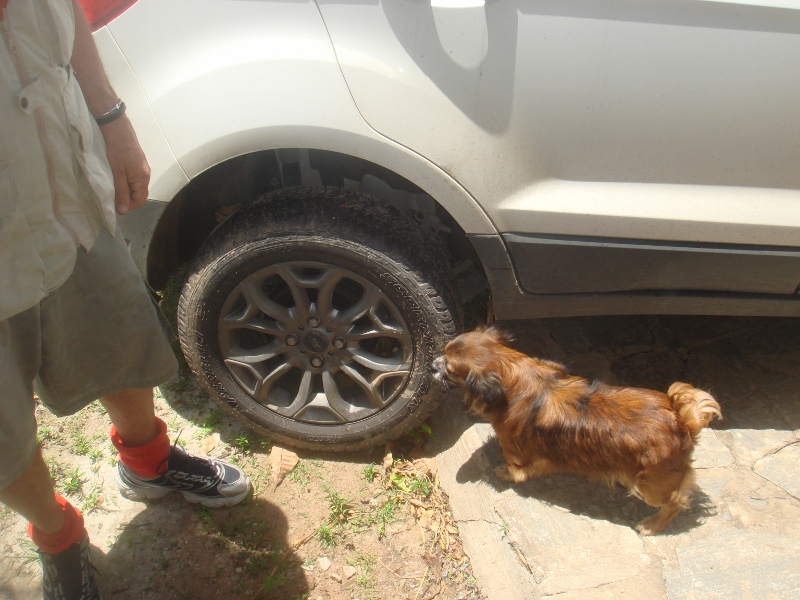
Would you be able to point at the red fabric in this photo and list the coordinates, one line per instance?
(72, 532)
(3, 4)
(144, 460)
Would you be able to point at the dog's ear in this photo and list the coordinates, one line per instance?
(486, 386)
(499, 336)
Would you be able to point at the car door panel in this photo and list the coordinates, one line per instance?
(658, 120)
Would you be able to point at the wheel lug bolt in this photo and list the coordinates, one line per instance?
(313, 321)
(338, 343)
(316, 361)
(291, 340)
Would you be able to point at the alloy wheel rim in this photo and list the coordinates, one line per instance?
(315, 342)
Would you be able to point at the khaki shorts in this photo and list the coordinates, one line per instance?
(99, 333)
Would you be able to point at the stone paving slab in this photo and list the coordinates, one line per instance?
(573, 539)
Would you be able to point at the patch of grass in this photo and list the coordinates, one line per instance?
(370, 472)
(44, 434)
(365, 562)
(339, 508)
(386, 514)
(243, 444)
(95, 455)
(97, 408)
(80, 445)
(257, 564)
(73, 483)
(301, 474)
(181, 384)
(420, 485)
(421, 434)
(55, 468)
(92, 502)
(327, 536)
(5, 512)
(272, 581)
(204, 515)
(27, 552)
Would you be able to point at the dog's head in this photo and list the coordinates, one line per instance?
(473, 360)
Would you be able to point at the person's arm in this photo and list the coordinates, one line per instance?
(128, 163)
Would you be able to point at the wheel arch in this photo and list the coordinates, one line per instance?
(175, 231)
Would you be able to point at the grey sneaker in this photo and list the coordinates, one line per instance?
(209, 481)
(69, 575)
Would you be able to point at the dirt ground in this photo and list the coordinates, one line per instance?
(374, 525)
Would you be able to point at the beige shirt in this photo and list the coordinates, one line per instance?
(56, 187)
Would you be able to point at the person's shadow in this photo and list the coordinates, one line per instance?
(175, 550)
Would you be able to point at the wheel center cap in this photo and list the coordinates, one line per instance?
(315, 341)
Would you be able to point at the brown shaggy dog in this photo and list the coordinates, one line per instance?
(549, 421)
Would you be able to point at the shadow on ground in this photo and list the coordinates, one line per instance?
(174, 551)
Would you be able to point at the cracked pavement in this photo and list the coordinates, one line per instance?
(572, 538)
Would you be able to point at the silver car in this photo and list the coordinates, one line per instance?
(343, 176)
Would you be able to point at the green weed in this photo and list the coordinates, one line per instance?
(27, 554)
(421, 434)
(301, 474)
(80, 444)
(327, 536)
(370, 472)
(386, 514)
(73, 484)
(44, 433)
(243, 444)
(92, 502)
(272, 581)
(339, 508)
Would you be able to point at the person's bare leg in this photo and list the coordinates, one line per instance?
(133, 414)
(32, 496)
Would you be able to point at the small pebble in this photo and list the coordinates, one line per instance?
(348, 571)
(323, 563)
(336, 577)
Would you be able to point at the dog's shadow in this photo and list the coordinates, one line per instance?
(581, 496)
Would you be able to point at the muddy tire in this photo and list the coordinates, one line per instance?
(314, 315)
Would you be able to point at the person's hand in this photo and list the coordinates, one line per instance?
(128, 164)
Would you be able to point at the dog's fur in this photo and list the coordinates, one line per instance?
(549, 421)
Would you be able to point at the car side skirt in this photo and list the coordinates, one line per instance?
(559, 276)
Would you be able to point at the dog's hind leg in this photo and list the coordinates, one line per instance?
(670, 492)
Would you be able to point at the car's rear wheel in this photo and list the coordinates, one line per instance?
(314, 315)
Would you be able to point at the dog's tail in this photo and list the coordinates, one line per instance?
(695, 408)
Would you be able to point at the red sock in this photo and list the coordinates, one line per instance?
(145, 460)
(72, 532)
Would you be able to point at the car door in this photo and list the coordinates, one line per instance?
(617, 145)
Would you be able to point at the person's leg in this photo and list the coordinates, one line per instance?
(133, 414)
(32, 496)
(106, 339)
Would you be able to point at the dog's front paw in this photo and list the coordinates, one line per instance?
(651, 525)
(510, 474)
